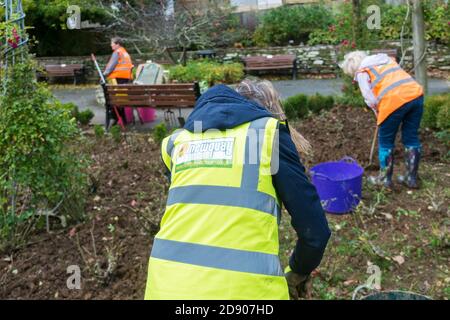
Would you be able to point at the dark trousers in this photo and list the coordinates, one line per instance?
(408, 116)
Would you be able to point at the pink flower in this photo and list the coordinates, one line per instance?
(345, 42)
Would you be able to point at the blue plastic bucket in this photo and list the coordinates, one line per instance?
(339, 184)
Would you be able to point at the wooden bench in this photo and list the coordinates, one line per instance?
(64, 70)
(277, 62)
(162, 96)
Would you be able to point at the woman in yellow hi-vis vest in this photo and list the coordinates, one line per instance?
(397, 99)
(231, 168)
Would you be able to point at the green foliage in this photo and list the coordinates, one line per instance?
(99, 131)
(84, 117)
(318, 102)
(160, 132)
(443, 116)
(209, 71)
(435, 115)
(299, 106)
(116, 133)
(340, 28)
(351, 94)
(39, 171)
(296, 106)
(280, 25)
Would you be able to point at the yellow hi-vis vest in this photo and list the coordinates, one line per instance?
(393, 87)
(219, 234)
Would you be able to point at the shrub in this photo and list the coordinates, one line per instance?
(160, 132)
(99, 131)
(40, 174)
(280, 25)
(443, 117)
(209, 71)
(84, 117)
(317, 103)
(72, 108)
(432, 107)
(116, 133)
(296, 106)
(300, 105)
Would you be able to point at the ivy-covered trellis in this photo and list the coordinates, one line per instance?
(12, 34)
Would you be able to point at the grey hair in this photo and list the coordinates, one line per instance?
(117, 40)
(352, 62)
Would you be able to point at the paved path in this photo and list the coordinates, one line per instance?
(84, 98)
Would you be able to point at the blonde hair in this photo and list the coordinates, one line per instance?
(352, 62)
(263, 92)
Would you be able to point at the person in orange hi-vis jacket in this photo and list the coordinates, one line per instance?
(119, 69)
(397, 99)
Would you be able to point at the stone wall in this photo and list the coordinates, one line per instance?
(318, 60)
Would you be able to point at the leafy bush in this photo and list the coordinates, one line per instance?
(443, 117)
(280, 25)
(84, 117)
(340, 28)
(209, 71)
(299, 106)
(160, 132)
(40, 174)
(317, 103)
(99, 131)
(296, 106)
(432, 111)
(116, 133)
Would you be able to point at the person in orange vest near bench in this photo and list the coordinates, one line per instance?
(119, 69)
(397, 99)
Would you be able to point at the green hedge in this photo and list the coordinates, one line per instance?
(436, 113)
(209, 71)
(299, 106)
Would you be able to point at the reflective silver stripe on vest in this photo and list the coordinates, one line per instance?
(375, 72)
(224, 196)
(253, 147)
(383, 74)
(171, 144)
(216, 257)
(393, 86)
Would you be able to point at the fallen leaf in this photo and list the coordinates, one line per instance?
(72, 232)
(387, 215)
(399, 259)
(97, 198)
(349, 282)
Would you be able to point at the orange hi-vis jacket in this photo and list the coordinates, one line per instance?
(123, 67)
(392, 86)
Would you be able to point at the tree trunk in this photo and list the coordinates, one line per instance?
(357, 25)
(184, 57)
(170, 55)
(418, 28)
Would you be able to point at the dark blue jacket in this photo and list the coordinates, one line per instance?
(223, 108)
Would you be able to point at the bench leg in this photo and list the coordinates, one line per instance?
(107, 118)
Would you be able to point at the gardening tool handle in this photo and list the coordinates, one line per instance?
(348, 159)
(359, 288)
(102, 78)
